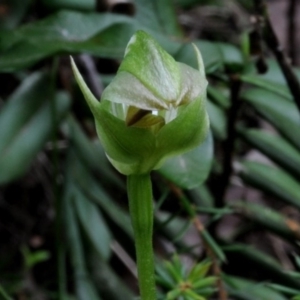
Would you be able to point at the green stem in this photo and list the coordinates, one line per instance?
(141, 211)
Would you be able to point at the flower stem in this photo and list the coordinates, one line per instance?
(141, 211)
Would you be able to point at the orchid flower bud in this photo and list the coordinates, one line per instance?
(152, 110)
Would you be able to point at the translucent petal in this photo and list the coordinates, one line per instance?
(127, 89)
(153, 66)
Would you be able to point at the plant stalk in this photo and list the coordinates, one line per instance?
(141, 211)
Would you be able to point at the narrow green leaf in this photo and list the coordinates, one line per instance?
(213, 245)
(192, 295)
(202, 197)
(199, 271)
(278, 89)
(248, 290)
(158, 15)
(215, 55)
(272, 80)
(251, 257)
(284, 289)
(93, 224)
(29, 94)
(217, 119)
(218, 96)
(272, 180)
(172, 295)
(107, 280)
(26, 124)
(92, 189)
(270, 219)
(90, 152)
(275, 147)
(202, 283)
(281, 113)
(84, 287)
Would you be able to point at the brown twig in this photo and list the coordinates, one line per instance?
(228, 144)
(274, 45)
(190, 210)
(215, 265)
(291, 31)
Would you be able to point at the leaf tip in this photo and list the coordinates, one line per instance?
(201, 67)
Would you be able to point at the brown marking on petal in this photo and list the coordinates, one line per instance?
(134, 114)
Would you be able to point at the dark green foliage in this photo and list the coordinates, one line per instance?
(65, 231)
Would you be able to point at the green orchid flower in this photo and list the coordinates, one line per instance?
(152, 110)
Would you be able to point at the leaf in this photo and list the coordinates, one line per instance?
(192, 168)
(192, 295)
(269, 219)
(275, 148)
(217, 119)
(281, 113)
(199, 271)
(158, 15)
(278, 89)
(272, 180)
(215, 56)
(284, 289)
(231, 56)
(92, 154)
(93, 191)
(252, 258)
(202, 197)
(213, 245)
(26, 123)
(84, 287)
(248, 290)
(93, 224)
(273, 77)
(107, 280)
(98, 34)
(218, 96)
(87, 5)
(103, 35)
(210, 52)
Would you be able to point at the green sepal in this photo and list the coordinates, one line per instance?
(135, 120)
(127, 89)
(149, 78)
(129, 149)
(89, 97)
(152, 65)
(185, 132)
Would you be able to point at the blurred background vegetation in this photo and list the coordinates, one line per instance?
(230, 209)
